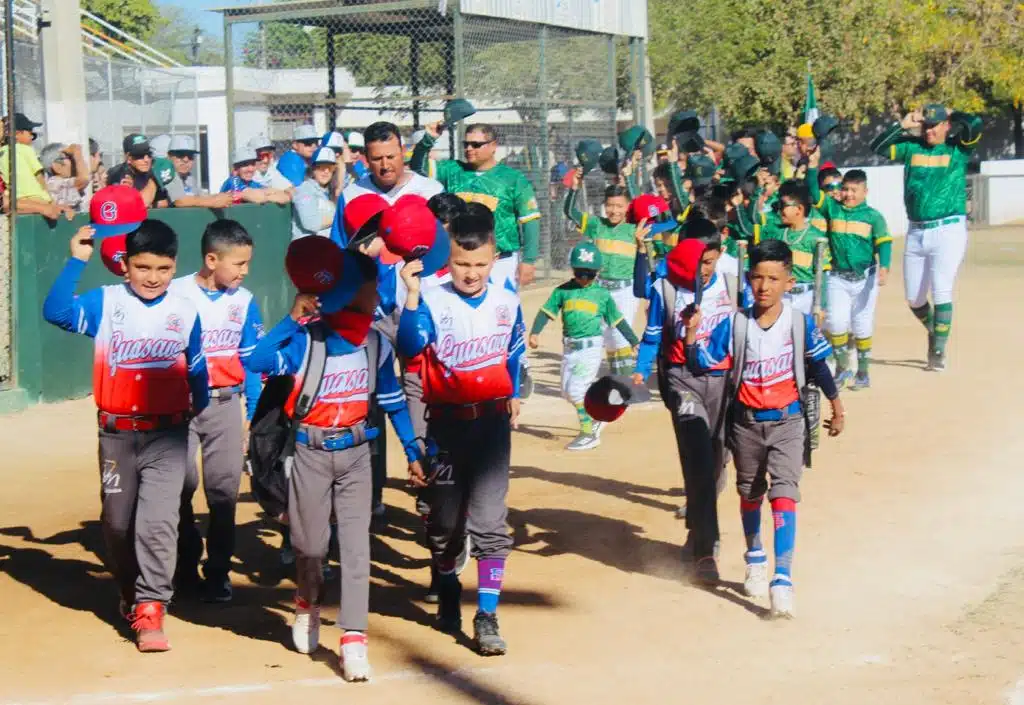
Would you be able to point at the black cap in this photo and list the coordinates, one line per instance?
(136, 145)
(22, 123)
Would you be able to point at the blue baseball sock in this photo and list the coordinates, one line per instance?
(784, 516)
(750, 514)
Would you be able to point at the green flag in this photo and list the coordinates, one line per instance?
(810, 102)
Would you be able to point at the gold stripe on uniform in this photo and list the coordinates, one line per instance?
(820, 223)
(940, 161)
(803, 259)
(616, 247)
(580, 305)
(470, 197)
(852, 227)
(583, 223)
(529, 216)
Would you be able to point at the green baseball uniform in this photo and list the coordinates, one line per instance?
(858, 237)
(585, 310)
(506, 191)
(802, 243)
(617, 243)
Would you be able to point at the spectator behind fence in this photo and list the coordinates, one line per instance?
(314, 202)
(137, 171)
(267, 173)
(294, 163)
(241, 185)
(66, 173)
(182, 152)
(30, 188)
(97, 169)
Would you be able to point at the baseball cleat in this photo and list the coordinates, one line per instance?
(843, 378)
(217, 590)
(680, 511)
(861, 381)
(782, 601)
(936, 361)
(755, 583)
(354, 657)
(707, 571)
(306, 627)
(148, 623)
(486, 635)
(464, 555)
(584, 441)
(597, 427)
(525, 383)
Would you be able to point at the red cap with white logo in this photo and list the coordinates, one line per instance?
(115, 210)
(314, 264)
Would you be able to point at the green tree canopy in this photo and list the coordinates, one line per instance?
(138, 18)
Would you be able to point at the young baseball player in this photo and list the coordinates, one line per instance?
(793, 206)
(149, 378)
(585, 308)
(232, 325)
(693, 399)
(331, 469)
(772, 350)
(861, 251)
(615, 239)
(470, 334)
(935, 196)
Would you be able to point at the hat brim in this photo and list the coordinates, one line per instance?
(172, 152)
(662, 226)
(103, 231)
(366, 232)
(437, 256)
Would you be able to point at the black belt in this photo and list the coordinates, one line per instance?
(469, 412)
(506, 255)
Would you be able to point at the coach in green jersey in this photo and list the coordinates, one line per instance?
(479, 178)
(935, 146)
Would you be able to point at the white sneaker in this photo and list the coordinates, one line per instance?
(596, 429)
(782, 601)
(355, 662)
(584, 441)
(755, 584)
(306, 627)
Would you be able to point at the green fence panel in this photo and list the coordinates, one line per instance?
(51, 364)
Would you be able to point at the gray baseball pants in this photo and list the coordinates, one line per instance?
(767, 450)
(323, 480)
(141, 475)
(217, 430)
(470, 492)
(696, 405)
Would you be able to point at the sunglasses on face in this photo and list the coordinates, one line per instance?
(140, 158)
(469, 144)
(185, 155)
(834, 186)
(309, 143)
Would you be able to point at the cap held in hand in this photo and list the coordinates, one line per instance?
(607, 398)
(314, 264)
(114, 254)
(408, 227)
(683, 263)
(652, 208)
(116, 209)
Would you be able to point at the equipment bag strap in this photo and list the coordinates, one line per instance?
(799, 349)
(668, 295)
(373, 359)
(316, 362)
(740, 321)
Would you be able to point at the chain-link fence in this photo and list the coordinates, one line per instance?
(543, 87)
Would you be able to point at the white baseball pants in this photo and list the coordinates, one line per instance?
(931, 260)
(580, 366)
(506, 269)
(852, 304)
(803, 301)
(626, 303)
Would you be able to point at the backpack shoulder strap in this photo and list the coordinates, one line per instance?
(373, 359)
(740, 321)
(316, 362)
(799, 349)
(730, 286)
(668, 296)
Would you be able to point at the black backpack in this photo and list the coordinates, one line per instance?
(272, 433)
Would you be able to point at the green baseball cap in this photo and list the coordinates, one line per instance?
(457, 110)
(966, 127)
(585, 256)
(163, 170)
(735, 151)
(689, 142)
(934, 113)
(637, 137)
(824, 126)
(700, 169)
(683, 121)
(743, 167)
(610, 159)
(588, 152)
(768, 147)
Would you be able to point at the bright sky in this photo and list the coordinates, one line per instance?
(207, 21)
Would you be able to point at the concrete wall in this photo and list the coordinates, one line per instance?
(50, 364)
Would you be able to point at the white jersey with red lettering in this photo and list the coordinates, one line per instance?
(467, 359)
(344, 396)
(140, 365)
(230, 328)
(715, 306)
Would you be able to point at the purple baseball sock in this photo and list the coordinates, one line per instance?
(490, 572)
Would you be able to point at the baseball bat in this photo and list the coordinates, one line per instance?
(741, 269)
(819, 274)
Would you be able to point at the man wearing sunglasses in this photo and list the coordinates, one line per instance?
(479, 178)
(30, 189)
(137, 171)
(294, 163)
(183, 154)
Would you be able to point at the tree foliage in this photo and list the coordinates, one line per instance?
(135, 17)
(750, 57)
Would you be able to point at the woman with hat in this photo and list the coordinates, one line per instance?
(316, 197)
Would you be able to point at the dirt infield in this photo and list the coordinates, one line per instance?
(909, 564)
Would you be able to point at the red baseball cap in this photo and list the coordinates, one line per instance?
(408, 227)
(607, 398)
(114, 254)
(683, 263)
(116, 209)
(361, 217)
(654, 209)
(314, 264)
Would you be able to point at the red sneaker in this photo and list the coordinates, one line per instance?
(148, 622)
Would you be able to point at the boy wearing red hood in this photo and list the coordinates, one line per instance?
(332, 455)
